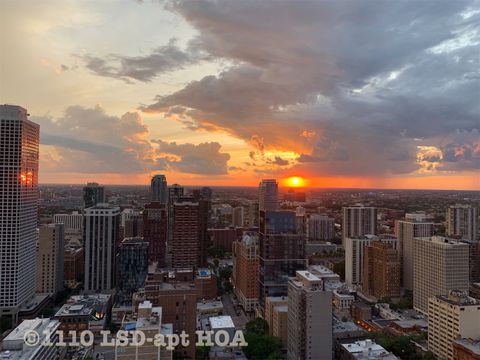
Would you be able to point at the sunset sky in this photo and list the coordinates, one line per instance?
(382, 94)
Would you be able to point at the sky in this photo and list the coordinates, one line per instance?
(367, 94)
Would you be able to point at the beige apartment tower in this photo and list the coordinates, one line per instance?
(309, 318)
(50, 259)
(451, 317)
(440, 265)
(414, 225)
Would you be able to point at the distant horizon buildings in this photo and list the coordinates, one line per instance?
(159, 189)
(19, 163)
(268, 195)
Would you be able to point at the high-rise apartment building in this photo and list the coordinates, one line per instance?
(50, 259)
(253, 214)
(102, 223)
(309, 318)
(175, 192)
(93, 194)
(414, 225)
(238, 217)
(268, 195)
(358, 221)
(204, 199)
(186, 233)
(19, 143)
(462, 222)
(132, 267)
(158, 189)
(451, 317)
(281, 252)
(355, 249)
(320, 227)
(381, 271)
(178, 300)
(439, 265)
(155, 232)
(74, 265)
(245, 270)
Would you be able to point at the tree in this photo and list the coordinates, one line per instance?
(263, 347)
(339, 268)
(202, 352)
(257, 326)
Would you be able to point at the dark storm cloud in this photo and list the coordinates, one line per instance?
(368, 81)
(141, 68)
(204, 158)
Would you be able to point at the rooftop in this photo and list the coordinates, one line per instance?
(221, 322)
(84, 305)
(471, 344)
(367, 349)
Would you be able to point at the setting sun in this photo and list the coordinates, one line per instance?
(295, 181)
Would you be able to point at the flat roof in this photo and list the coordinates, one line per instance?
(221, 322)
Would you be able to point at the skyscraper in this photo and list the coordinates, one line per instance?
(93, 194)
(268, 195)
(132, 267)
(50, 259)
(155, 226)
(175, 191)
(320, 227)
(358, 221)
(414, 225)
(439, 265)
(204, 199)
(158, 189)
(281, 252)
(102, 223)
(19, 144)
(309, 318)
(462, 222)
(186, 233)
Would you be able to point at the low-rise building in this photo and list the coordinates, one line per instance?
(270, 303)
(279, 323)
(466, 349)
(85, 312)
(364, 350)
(15, 347)
(148, 320)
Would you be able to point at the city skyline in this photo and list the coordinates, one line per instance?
(223, 96)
